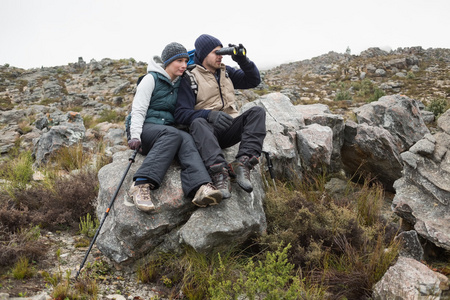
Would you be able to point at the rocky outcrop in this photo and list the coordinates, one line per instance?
(423, 193)
(385, 129)
(398, 114)
(294, 147)
(129, 234)
(370, 151)
(65, 133)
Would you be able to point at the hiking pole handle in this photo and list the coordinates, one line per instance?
(131, 159)
(270, 167)
(269, 164)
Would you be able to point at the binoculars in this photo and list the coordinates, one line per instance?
(232, 50)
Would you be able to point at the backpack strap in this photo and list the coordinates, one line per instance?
(191, 77)
(140, 79)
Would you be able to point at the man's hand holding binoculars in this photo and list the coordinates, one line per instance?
(238, 53)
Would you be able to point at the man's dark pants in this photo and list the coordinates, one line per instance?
(249, 129)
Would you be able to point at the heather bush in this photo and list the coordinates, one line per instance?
(20, 244)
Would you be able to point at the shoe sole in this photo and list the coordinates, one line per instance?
(225, 194)
(144, 207)
(210, 200)
(245, 188)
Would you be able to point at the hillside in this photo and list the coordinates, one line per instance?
(102, 93)
(104, 89)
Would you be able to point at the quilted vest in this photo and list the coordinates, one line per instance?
(164, 98)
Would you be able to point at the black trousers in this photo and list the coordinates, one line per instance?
(249, 129)
(161, 144)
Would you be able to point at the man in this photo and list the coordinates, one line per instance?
(212, 117)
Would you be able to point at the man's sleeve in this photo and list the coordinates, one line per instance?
(245, 78)
(185, 111)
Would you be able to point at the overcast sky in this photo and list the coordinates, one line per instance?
(35, 33)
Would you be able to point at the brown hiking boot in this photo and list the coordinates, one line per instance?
(206, 195)
(141, 196)
(221, 179)
(241, 168)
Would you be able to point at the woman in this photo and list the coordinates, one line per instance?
(152, 132)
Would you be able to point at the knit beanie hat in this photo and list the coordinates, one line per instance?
(204, 44)
(172, 52)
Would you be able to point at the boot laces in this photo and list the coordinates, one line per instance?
(220, 179)
(144, 191)
(209, 188)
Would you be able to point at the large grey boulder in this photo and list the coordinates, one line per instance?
(397, 114)
(423, 193)
(385, 129)
(300, 137)
(52, 90)
(282, 122)
(230, 223)
(129, 234)
(371, 151)
(8, 136)
(321, 114)
(315, 145)
(410, 279)
(69, 131)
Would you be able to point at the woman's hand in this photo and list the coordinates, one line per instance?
(134, 144)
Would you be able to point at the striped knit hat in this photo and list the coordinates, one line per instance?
(172, 52)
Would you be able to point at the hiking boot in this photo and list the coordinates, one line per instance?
(141, 196)
(241, 167)
(206, 195)
(221, 179)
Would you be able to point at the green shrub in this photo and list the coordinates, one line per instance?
(17, 172)
(377, 94)
(111, 116)
(64, 288)
(22, 269)
(343, 95)
(410, 75)
(6, 104)
(87, 226)
(88, 121)
(438, 106)
(364, 88)
(48, 101)
(270, 278)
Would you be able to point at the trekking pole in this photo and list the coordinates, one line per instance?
(270, 167)
(131, 159)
